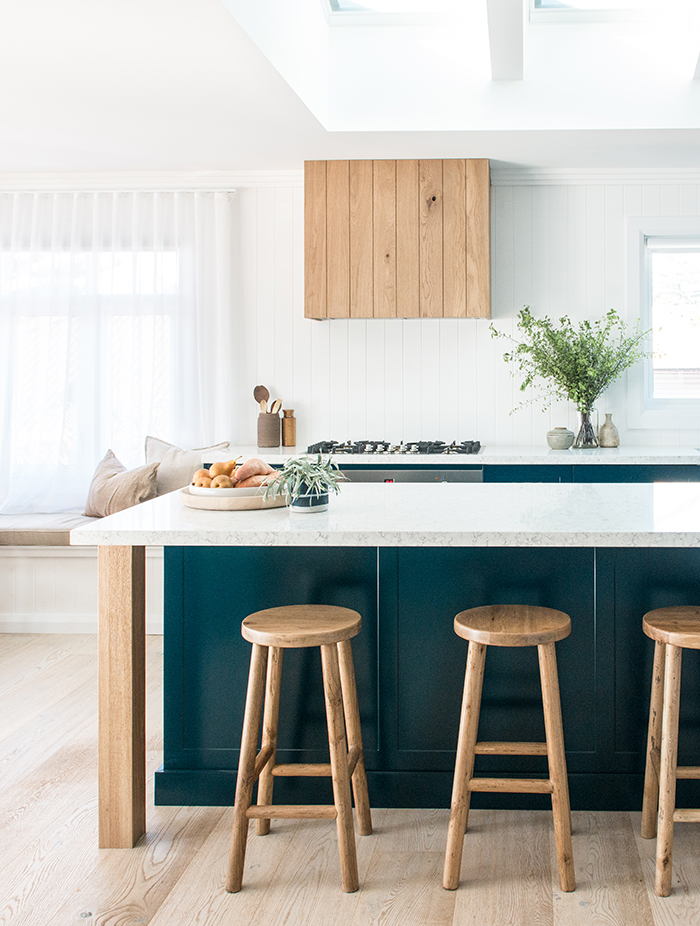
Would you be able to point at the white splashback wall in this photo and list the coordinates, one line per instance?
(558, 247)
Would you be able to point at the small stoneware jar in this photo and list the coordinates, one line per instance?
(560, 438)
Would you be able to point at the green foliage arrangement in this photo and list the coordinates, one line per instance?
(577, 363)
(304, 476)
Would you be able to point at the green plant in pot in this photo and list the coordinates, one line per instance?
(308, 483)
(574, 362)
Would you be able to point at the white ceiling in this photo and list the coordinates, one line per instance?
(92, 85)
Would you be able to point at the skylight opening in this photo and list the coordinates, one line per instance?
(396, 6)
(589, 10)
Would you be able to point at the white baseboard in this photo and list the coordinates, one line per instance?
(62, 624)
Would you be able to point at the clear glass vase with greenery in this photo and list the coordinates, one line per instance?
(573, 362)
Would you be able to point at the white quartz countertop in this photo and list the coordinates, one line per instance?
(489, 454)
(424, 515)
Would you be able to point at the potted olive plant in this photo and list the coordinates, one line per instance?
(577, 363)
(308, 483)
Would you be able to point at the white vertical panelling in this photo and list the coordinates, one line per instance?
(393, 379)
(284, 296)
(429, 367)
(522, 422)
(357, 379)
(468, 380)
(338, 386)
(376, 398)
(247, 367)
(265, 291)
(491, 367)
(449, 378)
(299, 399)
(411, 379)
(559, 249)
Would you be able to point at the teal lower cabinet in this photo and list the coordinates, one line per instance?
(410, 667)
(591, 472)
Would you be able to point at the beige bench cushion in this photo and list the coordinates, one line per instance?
(40, 530)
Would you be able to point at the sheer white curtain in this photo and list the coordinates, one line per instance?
(116, 321)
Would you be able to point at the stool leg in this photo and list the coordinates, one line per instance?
(246, 767)
(554, 730)
(354, 734)
(650, 804)
(269, 736)
(464, 765)
(669, 759)
(339, 767)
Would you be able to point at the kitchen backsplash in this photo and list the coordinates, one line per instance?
(558, 248)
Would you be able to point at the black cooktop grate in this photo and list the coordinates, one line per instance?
(386, 447)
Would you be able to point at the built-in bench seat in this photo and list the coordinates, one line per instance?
(40, 530)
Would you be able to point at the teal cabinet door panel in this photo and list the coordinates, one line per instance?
(527, 473)
(209, 592)
(592, 472)
(434, 585)
(645, 580)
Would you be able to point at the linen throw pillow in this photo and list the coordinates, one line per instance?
(177, 466)
(114, 488)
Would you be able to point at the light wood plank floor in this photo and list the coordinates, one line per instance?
(52, 874)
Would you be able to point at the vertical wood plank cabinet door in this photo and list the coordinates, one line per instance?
(315, 239)
(431, 239)
(478, 239)
(361, 240)
(338, 238)
(397, 239)
(454, 249)
(407, 239)
(385, 239)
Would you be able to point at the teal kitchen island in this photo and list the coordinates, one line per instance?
(408, 557)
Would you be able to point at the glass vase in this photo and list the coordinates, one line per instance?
(586, 438)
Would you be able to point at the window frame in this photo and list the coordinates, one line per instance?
(644, 411)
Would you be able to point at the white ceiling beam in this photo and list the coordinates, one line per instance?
(506, 20)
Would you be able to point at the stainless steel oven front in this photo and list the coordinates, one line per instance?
(407, 473)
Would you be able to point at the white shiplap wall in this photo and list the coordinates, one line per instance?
(557, 246)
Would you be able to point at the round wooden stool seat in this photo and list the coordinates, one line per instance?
(674, 626)
(512, 625)
(301, 625)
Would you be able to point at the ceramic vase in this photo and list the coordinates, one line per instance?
(608, 436)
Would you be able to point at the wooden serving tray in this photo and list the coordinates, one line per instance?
(237, 500)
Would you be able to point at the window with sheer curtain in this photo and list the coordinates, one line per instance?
(116, 321)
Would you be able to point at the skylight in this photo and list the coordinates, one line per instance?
(395, 6)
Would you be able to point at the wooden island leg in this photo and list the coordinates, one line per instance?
(122, 702)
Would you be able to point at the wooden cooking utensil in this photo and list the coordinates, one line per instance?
(276, 406)
(260, 393)
(263, 406)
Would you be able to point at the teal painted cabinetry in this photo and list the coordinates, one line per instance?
(591, 472)
(410, 665)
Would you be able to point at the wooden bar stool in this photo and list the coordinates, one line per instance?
(673, 630)
(510, 625)
(271, 632)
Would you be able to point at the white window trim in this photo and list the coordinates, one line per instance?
(642, 411)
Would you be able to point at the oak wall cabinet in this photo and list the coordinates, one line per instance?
(397, 239)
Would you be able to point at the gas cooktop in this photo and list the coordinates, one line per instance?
(386, 447)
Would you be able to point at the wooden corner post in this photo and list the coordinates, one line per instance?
(122, 703)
